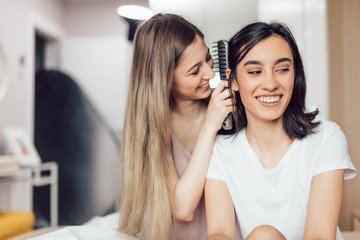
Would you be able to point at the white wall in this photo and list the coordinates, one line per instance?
(97, 54)
(101, 65)
(216, 19)
(17, 22)
(94, 43)
(307, 19)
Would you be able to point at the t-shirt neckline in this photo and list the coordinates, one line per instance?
(285, 158)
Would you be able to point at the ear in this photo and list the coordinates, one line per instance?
(234, 85)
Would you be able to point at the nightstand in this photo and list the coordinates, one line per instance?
(38, 175)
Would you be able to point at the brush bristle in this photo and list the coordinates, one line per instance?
(220, 57)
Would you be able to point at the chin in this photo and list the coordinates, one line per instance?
(270, 116)
(206, 94)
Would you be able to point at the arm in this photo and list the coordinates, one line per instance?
(324, 205)
(220, 220)
(186, 192)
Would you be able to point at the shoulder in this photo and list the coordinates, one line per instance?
(331, 149)
(325, 130)
(225, 144)
(225, 139)
(327, 136)
(328, 126)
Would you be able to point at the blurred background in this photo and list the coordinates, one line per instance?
(83, 46)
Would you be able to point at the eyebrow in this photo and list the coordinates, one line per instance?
(196, 64)
(283, 60)
(192, 67)
(255, 62)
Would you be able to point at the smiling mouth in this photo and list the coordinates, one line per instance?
(206, 85)
(269, 99)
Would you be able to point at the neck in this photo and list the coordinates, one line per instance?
(267, 135)
(186, 121)
(189, 110)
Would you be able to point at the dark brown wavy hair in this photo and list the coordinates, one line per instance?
(296, 121)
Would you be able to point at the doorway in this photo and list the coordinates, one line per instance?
(46, 52)
(45, 57)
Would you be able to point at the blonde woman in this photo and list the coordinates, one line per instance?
(171, 121)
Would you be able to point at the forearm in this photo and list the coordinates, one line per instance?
(189, 188)
(220, 221)
(319, 238)
(324, 205)
(219, 237)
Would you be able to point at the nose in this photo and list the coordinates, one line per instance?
(269, 82)
(208, 72)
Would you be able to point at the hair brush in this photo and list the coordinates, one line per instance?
(220, 53)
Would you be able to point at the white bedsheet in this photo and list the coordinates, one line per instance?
(84, 233)
(98, 228)
(101, 228)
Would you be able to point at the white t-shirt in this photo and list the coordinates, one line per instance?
(278, 196)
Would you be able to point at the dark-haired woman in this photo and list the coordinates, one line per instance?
(281, 176)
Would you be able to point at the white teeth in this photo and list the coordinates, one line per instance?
(204, 86)
(271, 99)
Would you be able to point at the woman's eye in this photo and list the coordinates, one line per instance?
(283, 70)
(254, 72)
(196, 72)
(210, 60)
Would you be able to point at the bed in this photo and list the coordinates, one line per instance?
(96, 229)
(101, 228)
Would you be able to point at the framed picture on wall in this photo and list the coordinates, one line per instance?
(20, 146)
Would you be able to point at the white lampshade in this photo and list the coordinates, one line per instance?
(134, 12)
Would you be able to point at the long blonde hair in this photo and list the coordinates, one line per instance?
(144, 200)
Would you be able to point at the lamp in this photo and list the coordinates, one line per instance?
(133, 15)
(3, 74)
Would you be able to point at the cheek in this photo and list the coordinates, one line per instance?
(176, 82)
(246, 86)
(180, 83)
(175, 86)
(246, 93)
(289, 85)
(291, 88)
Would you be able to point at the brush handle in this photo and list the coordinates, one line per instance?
(227, 124)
